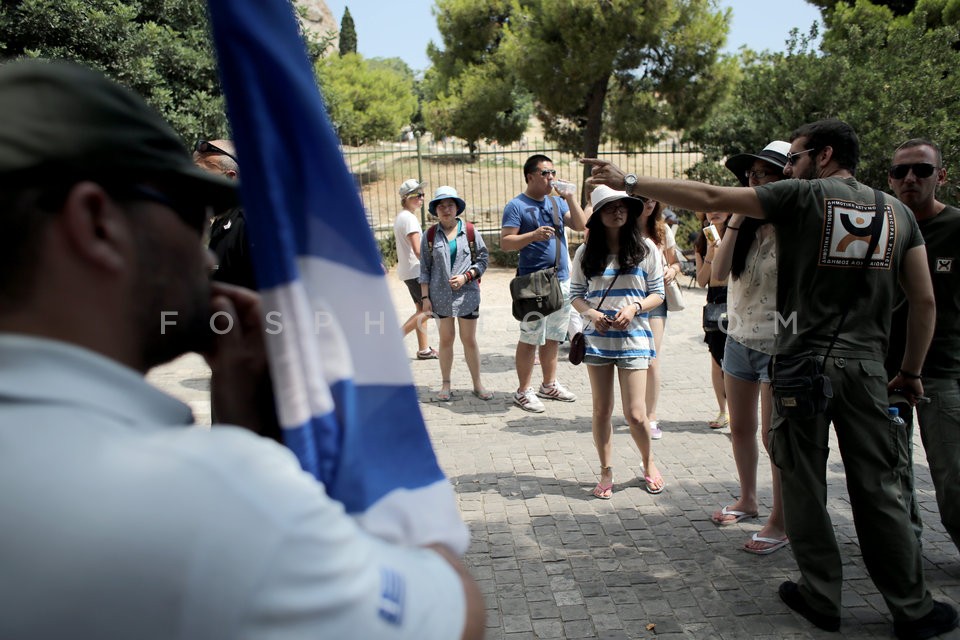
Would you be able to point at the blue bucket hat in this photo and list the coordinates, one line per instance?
(446, 193)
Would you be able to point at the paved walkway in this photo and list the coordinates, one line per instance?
(554, 562)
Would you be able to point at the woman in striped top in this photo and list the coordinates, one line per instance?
(615, 279)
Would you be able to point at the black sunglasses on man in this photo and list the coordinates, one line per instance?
(206, 147)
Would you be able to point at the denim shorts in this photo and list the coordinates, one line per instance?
(658, 312)
(745, 363)
(635, 362)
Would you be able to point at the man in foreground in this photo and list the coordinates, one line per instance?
(121, 519)
(822, 232)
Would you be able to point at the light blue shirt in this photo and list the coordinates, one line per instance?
(122, 520)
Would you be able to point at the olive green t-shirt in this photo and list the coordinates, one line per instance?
(822, 234)
(942, 235)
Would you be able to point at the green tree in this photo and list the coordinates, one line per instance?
(161, 49)
(898, 7)
(627, 70)
(158, 48)
(348, 33)
(366, 101)
(892, 78)
(472, 91)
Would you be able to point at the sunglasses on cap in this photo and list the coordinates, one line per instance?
(205, 147)
(920, 170)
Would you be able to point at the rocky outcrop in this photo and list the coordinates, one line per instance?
(318, 19)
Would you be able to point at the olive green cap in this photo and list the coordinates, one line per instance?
(62, 116)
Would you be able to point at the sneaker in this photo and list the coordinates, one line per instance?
(528, 401)
(555, 391)
(428, 354)
(655, 431)
(942, 618)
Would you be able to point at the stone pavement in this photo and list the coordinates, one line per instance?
(554, 562)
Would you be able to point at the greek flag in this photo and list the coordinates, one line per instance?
(342, 380)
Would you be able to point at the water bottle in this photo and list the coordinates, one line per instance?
(894, 415)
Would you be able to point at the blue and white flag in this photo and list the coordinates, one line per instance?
(341, 376)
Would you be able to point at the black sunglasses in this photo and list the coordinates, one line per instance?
(920, 170)
(548, 172)
(792, 157)
(193, 214)
(759, 175)
(204, 146)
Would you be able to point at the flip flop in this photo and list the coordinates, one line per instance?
(652, 482)
(737, 516)
(721, 421)
(484, 394)
(775, 544)
(603, 491)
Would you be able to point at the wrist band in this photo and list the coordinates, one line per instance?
(734, 228)
(912, 376)
(707, 261)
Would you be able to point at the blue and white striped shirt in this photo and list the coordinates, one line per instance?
(633, 285)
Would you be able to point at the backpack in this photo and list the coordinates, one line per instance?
(471, 239)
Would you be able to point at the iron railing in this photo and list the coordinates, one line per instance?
(486, 179)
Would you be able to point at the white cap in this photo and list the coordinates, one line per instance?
(409, 186)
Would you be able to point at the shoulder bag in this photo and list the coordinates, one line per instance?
(800, 388)
(538, 294)
(673, 296)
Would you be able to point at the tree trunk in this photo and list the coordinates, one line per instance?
(591, 132)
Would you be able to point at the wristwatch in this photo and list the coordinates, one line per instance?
(629, 182)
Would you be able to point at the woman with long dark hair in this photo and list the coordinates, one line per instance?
(748, 254)
(615, 279)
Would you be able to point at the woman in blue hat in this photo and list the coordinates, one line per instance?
(452, 259)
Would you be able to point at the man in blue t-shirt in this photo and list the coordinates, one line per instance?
(533, 224)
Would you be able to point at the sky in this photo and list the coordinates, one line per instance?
(402, 29)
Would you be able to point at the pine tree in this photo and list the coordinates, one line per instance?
(348, 33)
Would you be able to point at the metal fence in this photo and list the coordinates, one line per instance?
(486, 179)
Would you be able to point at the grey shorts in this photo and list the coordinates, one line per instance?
(413, 286)
(552, 327)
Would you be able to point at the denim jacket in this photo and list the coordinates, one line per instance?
(435, 269)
